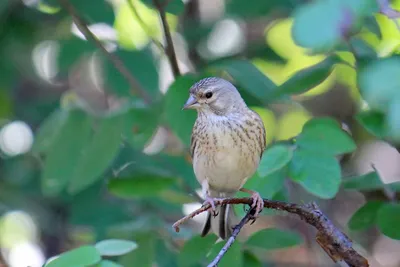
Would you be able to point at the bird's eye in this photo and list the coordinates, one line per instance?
(209, 95)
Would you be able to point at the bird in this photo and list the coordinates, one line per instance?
(227, 143)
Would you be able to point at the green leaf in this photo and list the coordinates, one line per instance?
(318, 174)
(323, 135)
(273, 238)
(250, 78)
(48, 131)
(274, 159)
(166, 255)
(115, 247)
(393, 120)
(362, 49)
(365, 217)
(194, 250)
(140, 186)
(366, 182)
(234, 256)
(372, 25)
(82, 256)
(250, 260)
(317, 25)
(107, 263)
(145, 254)
(102, 13)
(388, 220)
(382, 74)
(175, 7)
(98, 154)
(306, 79)
(269, 185)
(180, 121)
(257, 9)
(373, 122)
(64, 154)
(139, 129)
(71, 50)
(145, 73)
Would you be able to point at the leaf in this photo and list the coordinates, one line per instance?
(366, 182)
(316, 25)
(48, 131)
(140, 186)
(323, 135)
(180, 121)
(98, 154)
(107, 263)
(274, 159)
(388, 220)
(174, 6)
(373, 122)
(102, 13)
(257, 9)
(71, 50)
(250, 78)
(64, 154)
(268, 185)
(372, 25)
(382, 74)
(273, 238)
(365, 216)
(115, 247)
(194, 250)
(318, 174)
(250, 260)
(82, 256)
(141, 65)
(166, 255)
(233, 257)
(306, 79)
(393, 120)
(139, 129)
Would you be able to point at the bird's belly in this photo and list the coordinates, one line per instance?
(226, 169)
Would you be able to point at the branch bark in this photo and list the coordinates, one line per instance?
(115, 60)
(334, 242)
(231, 239)
(168, 38)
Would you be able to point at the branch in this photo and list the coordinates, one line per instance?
(145, 27)
(115, 60)
(335, 243)
(229, 243)
(167, 33)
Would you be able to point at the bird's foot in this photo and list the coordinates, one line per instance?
(211, 201)
(258, 203)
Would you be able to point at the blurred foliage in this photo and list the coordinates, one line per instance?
(109, 172)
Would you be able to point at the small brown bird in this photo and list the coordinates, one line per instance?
(228, 140)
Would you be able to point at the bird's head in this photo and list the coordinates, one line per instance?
(214, 95)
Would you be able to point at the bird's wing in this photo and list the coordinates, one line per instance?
(261, 130)
(193, 140)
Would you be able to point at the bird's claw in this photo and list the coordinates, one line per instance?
(258, 204)
(211, 202)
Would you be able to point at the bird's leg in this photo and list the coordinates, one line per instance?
(208, 199)
(258, 202)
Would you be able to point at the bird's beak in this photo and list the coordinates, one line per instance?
(191, 103)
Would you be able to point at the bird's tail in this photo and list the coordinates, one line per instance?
(222, 224)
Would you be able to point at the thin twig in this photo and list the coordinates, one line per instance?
(145, 27)
(335, 243)
(168, 39)
(232, 238)
(115, 60)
